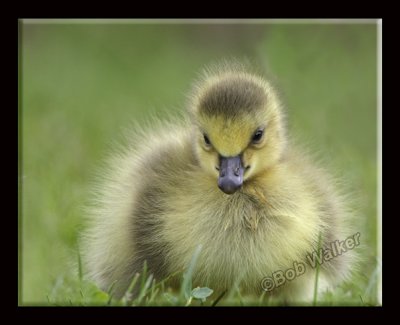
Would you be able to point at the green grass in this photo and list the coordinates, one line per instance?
(82, 83)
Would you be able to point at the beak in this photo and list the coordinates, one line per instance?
(230, 174)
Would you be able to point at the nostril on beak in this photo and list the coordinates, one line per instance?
(230, 174)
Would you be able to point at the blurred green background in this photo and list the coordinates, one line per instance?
(82, 83)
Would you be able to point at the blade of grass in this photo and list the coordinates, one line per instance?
(144, 274)
(317, 273)
(154, 294)
(186, 287)
(143, 290)
(261, 299)
(128, 293)
(161, 284)
(110, 292)
(80, 272)
(216, 301)
(373, 281)
(235, 287)
(189, 301)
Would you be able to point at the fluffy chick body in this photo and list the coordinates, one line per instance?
(160, 200)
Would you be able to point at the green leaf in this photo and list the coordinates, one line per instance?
(100, 297)
(201, 293)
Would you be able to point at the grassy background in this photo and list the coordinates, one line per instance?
(81, 83)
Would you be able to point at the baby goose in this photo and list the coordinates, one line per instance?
(227, 178)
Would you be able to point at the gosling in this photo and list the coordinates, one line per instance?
(225, 178)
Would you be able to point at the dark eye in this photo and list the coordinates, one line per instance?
(257, 136)
(207, 140)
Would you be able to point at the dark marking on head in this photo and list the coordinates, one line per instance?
(232, 96)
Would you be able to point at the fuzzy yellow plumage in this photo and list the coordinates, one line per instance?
(172, 189)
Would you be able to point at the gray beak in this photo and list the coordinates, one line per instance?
(230, 174)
